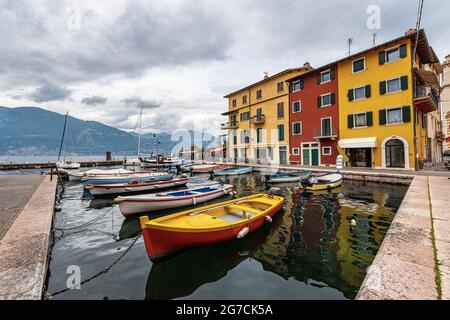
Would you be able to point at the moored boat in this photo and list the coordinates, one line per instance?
(134, 186)
(140, 177)
(322, 182)
(233, 171)
(203, 168)
(288, 176)
(130, 205)
(207, 225)
(68, 165)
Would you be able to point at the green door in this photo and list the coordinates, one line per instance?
(306, 157)
(315, 157)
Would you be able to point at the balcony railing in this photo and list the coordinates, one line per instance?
(425, 99)
(229, 125)
(258, 119)
(325, 133)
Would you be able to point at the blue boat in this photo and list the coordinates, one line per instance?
(288, 176)
(233, 171)
(139, 178)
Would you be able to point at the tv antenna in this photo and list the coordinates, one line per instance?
(350, 42)
(374, 39)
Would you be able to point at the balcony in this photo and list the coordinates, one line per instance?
(440, 136)
(326, 133)
(258, 119)
(425, 99)
(229, 125)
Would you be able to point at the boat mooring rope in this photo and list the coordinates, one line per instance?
(104, 271)
(87, 223)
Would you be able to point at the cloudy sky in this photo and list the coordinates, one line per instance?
(103, 60)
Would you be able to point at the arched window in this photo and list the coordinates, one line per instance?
(395, 154)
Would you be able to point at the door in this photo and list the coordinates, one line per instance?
(305, 157)
(283, 155)
(395, 154)
(315, 157)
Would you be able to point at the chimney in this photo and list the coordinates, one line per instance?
(410, 31)
(307, 65)
(266, 75)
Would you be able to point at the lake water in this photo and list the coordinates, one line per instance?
(310, 251)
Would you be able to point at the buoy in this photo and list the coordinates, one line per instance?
(57, 208)
(269, 219)
(353, 222)
(243, 233)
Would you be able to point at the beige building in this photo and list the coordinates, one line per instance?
(445, 102)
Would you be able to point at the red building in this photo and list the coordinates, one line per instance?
(314, 117)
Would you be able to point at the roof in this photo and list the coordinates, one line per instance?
(424, 50)
(267, 79)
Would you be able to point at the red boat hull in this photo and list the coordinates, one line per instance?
(162, 243)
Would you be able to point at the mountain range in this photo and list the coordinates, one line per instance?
(26, 131)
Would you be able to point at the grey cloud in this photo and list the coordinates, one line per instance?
(94, 100)
(50, 92)
(136, 102)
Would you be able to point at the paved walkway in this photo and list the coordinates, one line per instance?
(405, 267)
(24, 248)
(15, 191)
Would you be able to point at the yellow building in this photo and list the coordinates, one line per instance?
(258, 119)
(384, 96)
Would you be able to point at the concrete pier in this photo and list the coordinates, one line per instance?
(24, 248)
(48, 165)
(414, 259)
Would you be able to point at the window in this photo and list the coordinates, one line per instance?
(393, 85)
(234, 138)
(296, 106)
(325, 76)
(360, 120)
(259, 135)
(245, 136)
(325, 127)
(295, 151)
(244, 99)
(326, 100)
(258, 94)
(280, 87)
(296, 128)
(296, 86)
(359, 65)
(281, 132)
(394, 115)
(392, 55)
(245, 116)
(359, 93)
(280, 110)
(326, 151)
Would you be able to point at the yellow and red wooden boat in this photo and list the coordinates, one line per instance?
(208, 225)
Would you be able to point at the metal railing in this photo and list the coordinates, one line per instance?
(229, 125)
(258, 119)
(325, 133)
(425, 91)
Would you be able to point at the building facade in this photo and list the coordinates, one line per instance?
(314, 117)
(258, 120)
(445, 103)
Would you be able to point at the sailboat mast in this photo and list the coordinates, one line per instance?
(139, 135)
(62, 137)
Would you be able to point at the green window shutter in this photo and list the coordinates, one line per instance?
(319, 101)
(333, 98)
(302, 84)
(235, 139)
(383, 87)
(382, 57)
(382, 114)
(368, 91)
(403, 52)
(350, 121)
(404, 83)
(332, 74)
(319, 79)
(369, 118)
(406, 113)
(281, 132)
(350, 95)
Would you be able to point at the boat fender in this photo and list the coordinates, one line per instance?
(58, 208)
(134, 182)
(243, 233)
(313, 180)
(353, 223)
(268, 219)
(194, 201)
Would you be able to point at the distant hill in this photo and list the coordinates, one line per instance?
(26, 131)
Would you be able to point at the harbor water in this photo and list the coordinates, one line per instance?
(318, 247)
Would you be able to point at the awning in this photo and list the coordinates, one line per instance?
(370, 142)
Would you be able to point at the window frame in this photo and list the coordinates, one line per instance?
(300, 104)
(321, 98)
(299, 85)
(354, 120)
(354, 93)
(244, 99)
(259, 91)
(321, 76)
(278, 114)
(399, 79)
(387, 116)
(282, 87)
(295, 153)
(301, 128)
(353, 65)
(321, 125)
(327, 154)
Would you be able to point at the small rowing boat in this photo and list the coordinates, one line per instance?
(233, 171)
(288, 176)
(140, 177)
(134, 186)
(208, 225)
(322, 182)
(165, 200)
(203, 168)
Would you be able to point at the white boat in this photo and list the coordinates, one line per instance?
(288, 176)
(65, 164)
(78, 175)
(118, 188)
(203, 168)
(322, 182)
(134, 162)
(233, 171)
(68, 165)
(130, 205)
(141, 177)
